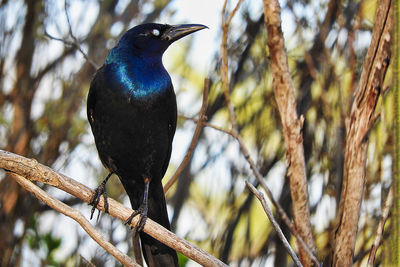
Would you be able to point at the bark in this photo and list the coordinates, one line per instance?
(291, 124)
(391, 252)
(358, 125)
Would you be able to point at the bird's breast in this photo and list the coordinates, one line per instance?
(140, 83)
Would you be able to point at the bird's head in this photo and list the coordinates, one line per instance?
(152, 38)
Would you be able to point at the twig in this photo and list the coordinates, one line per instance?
(268, 211)
(379, 231)
(74, 44)
(206, 124)
(76, 41)
(224, 65)
(195, 138)
(233, 12)
(34, 171)
(76, 216)
(87, 261)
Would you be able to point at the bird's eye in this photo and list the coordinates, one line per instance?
(156, 32)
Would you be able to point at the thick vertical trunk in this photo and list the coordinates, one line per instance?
(12, 198)
(358, 125)
(291, 125)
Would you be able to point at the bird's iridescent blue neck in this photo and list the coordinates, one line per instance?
(142, 77)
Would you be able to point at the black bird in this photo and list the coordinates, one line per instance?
(131, 108)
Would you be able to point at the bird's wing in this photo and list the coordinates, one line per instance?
(171, 130)
(91, 100)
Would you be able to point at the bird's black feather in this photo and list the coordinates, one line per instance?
(132, 110)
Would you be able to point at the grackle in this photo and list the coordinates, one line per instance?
(131, 108)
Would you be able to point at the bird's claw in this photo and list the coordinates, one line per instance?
(100, 191)
(142, 211)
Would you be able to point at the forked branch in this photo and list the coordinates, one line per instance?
(34, 171)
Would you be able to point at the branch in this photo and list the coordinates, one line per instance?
(268, 211)
(224, 65)
(358, 126)
(206, 124)
(76, 216)
(235, 133)
(233, 12)
(379, 231)
(34, 171)
(291, 126)
(75, 40)
(73, 44)
(195, 138)
(260, 179)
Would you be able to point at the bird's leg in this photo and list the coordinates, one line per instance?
(142, 210)
(98, 192)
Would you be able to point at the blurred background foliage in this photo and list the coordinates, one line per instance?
(43, 88)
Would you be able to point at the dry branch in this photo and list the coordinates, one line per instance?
(268, 211)
(358, 126)
(75, 42)
(234, 132)
(259, 178)
(75, 215)
(195, 138)
(34, 171)
(379, 230)
(291, 125)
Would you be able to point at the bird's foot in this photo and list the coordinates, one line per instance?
(142, 212)
(98, 192)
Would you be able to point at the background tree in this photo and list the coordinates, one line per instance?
(44, 82)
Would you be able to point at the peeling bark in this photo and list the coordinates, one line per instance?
(358, 125)
(291, 125)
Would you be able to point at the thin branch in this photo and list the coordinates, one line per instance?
(379, 231)
(224, 65)
(268, 211)
(233, 12)
(87, 261)
(34, 171)
(260, 179)
(206, 124)
(74, 44)
(195, 138)
(68, 20)
(76, 41)
(76, 216)
(58, 39)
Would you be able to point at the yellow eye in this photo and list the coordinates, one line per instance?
(156, 32)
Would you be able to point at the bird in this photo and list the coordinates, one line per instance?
(132, 111)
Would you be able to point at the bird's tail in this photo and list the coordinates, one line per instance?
(156, 253)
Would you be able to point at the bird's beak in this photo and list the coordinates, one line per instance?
(176, 32)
